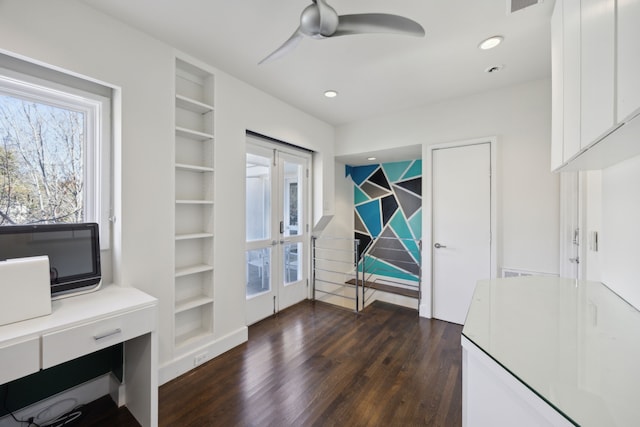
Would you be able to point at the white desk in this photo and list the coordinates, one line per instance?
(83, 324)
(545, 351)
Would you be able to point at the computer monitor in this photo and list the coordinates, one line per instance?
(73, 251)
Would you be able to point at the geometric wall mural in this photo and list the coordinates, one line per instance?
(388, 212)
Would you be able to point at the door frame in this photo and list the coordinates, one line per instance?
(273, 145)
(426, 304)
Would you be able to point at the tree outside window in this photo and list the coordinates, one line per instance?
(41, 162)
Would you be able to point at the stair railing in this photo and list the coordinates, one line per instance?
(384, 251)
(334, 275)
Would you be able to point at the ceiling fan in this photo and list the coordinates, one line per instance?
(320, 21)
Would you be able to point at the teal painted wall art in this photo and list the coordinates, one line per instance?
(388, 216)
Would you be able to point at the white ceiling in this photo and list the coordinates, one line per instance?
(374, 74)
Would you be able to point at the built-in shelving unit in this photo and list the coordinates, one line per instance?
(194, 205)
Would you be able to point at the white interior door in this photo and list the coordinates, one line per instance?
(276, 228)
(461, 227)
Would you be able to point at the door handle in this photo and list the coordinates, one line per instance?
(438, 246)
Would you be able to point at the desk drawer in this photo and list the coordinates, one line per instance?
(19, 359)
(61, 346)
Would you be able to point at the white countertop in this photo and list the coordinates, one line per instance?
(109, 300)
(576, 344)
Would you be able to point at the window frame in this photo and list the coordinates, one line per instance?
(97, 146)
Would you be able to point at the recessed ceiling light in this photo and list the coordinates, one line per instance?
(491, 42)
(371, 158)
(494, 69)
(331, 94)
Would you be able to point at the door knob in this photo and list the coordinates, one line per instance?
(438, 246)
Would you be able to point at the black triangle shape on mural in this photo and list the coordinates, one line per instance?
(380, 179)
(365, 239)
(413, 185)
(389, 207)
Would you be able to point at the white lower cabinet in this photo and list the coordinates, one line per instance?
(19, 359)
(82, 324)
(492, 397)
(67, 344)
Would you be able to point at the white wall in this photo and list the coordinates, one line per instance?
(528, 193)
(342, 223)
(340, 226)
(620, 236)
(592, 222)
(71, 36)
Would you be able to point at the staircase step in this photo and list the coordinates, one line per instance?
(411, 293)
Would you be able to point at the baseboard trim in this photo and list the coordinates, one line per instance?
(425, 311)
(61, 403)
(187, 361)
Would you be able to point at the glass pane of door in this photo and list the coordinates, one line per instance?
(258, 224)
(258, 197)
(258, 275)
(293, 231)
(293, 199)
(292, 266)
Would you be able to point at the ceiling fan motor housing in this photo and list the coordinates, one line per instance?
(318, 23)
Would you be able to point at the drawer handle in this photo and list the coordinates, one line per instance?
(107, 334)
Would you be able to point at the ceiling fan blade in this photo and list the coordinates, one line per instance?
(328, 18)
(365, 23)
(286, 47)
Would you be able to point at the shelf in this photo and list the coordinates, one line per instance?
(193, 202)
(193, 168)
(192, 336)
(193, 236)
(190, 303)
(192, 105)
(193, 134)
(193, 269)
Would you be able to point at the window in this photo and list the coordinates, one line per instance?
(54, 153)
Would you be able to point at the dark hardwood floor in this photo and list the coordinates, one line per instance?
(317, 365)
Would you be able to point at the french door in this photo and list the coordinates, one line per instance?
(276, 228)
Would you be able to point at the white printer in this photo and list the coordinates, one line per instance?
(25, 290)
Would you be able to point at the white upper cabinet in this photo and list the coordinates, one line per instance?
(628, 69)
(597, 57)
(595, 54)
(557, 105)
(571, 77)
